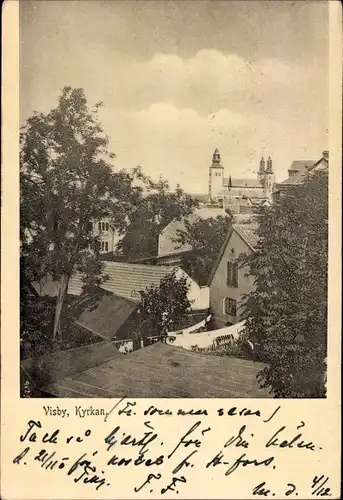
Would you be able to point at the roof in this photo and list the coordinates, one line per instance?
(126, 279)
(247, 230)
(240, 192)
(299, 177)
(102, 312)
(170, 247)
(54, 366)
(300, 165)
(165, 371)
(235, 182)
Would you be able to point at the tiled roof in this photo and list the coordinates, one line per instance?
(165, 371)
(301, 165)
(102, 312)
(127, 280)
(235, 182)
(249, 231)
(60, 364)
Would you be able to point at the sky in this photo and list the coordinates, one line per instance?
(181, 78)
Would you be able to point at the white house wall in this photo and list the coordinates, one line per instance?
(198, 295)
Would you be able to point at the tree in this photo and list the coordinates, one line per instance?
(156, 208)
(67, 180)
(287, 311)
(206, 237)
(162, 307)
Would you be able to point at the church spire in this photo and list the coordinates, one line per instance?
(269, 166)
(216, 157)
(262, 165)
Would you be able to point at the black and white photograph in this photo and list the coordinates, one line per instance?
(174, 168)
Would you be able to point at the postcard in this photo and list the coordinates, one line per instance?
(171, 249)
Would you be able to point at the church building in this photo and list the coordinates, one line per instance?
(236, 191)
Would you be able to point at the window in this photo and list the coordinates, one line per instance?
(230, 306)
(104, 226)
(104, 246)
(232, 274)
(90, 226)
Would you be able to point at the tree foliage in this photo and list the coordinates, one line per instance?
(287, 311)
(206, 237)
(155, 209)
(162, 307)
(67, 180)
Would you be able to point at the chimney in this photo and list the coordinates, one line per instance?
(326, 155)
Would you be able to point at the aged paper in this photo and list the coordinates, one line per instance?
(61, 445)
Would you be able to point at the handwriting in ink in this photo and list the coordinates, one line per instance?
(87, 468)
(33, 435)
(245, 412)
(238, 440)
(152, 410)
(48, 460)
(318, 488)
(276, 440)
(185, 462)
(261, 490)
(113, 408)
(128, 440)
(291, 489)
(171, 486)
(128, 409)
(232, 412)
(188, 442)
(79, 439)
(17, 460)
(140, 460)
(147, 481)
(241, 461)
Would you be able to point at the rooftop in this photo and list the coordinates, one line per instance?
(102, 312)
(301, 165)
(58, 365)
(235, 182)
(165, 371)
(126, 279)
(248, 230)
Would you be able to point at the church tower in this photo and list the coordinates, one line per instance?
(269, 178)
(216, 176)
(262, 171)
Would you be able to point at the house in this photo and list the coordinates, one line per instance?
(298, 171)
(105, 314)
(170, 252)
(126, 280)
(108, 236)
(229, 281)
(157, 371)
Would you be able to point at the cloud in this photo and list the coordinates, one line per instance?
(169, 113)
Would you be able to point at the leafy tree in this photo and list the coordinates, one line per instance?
(156, 208)
(67, 180)
(287, 311)
(206, 237)
(162, 307)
